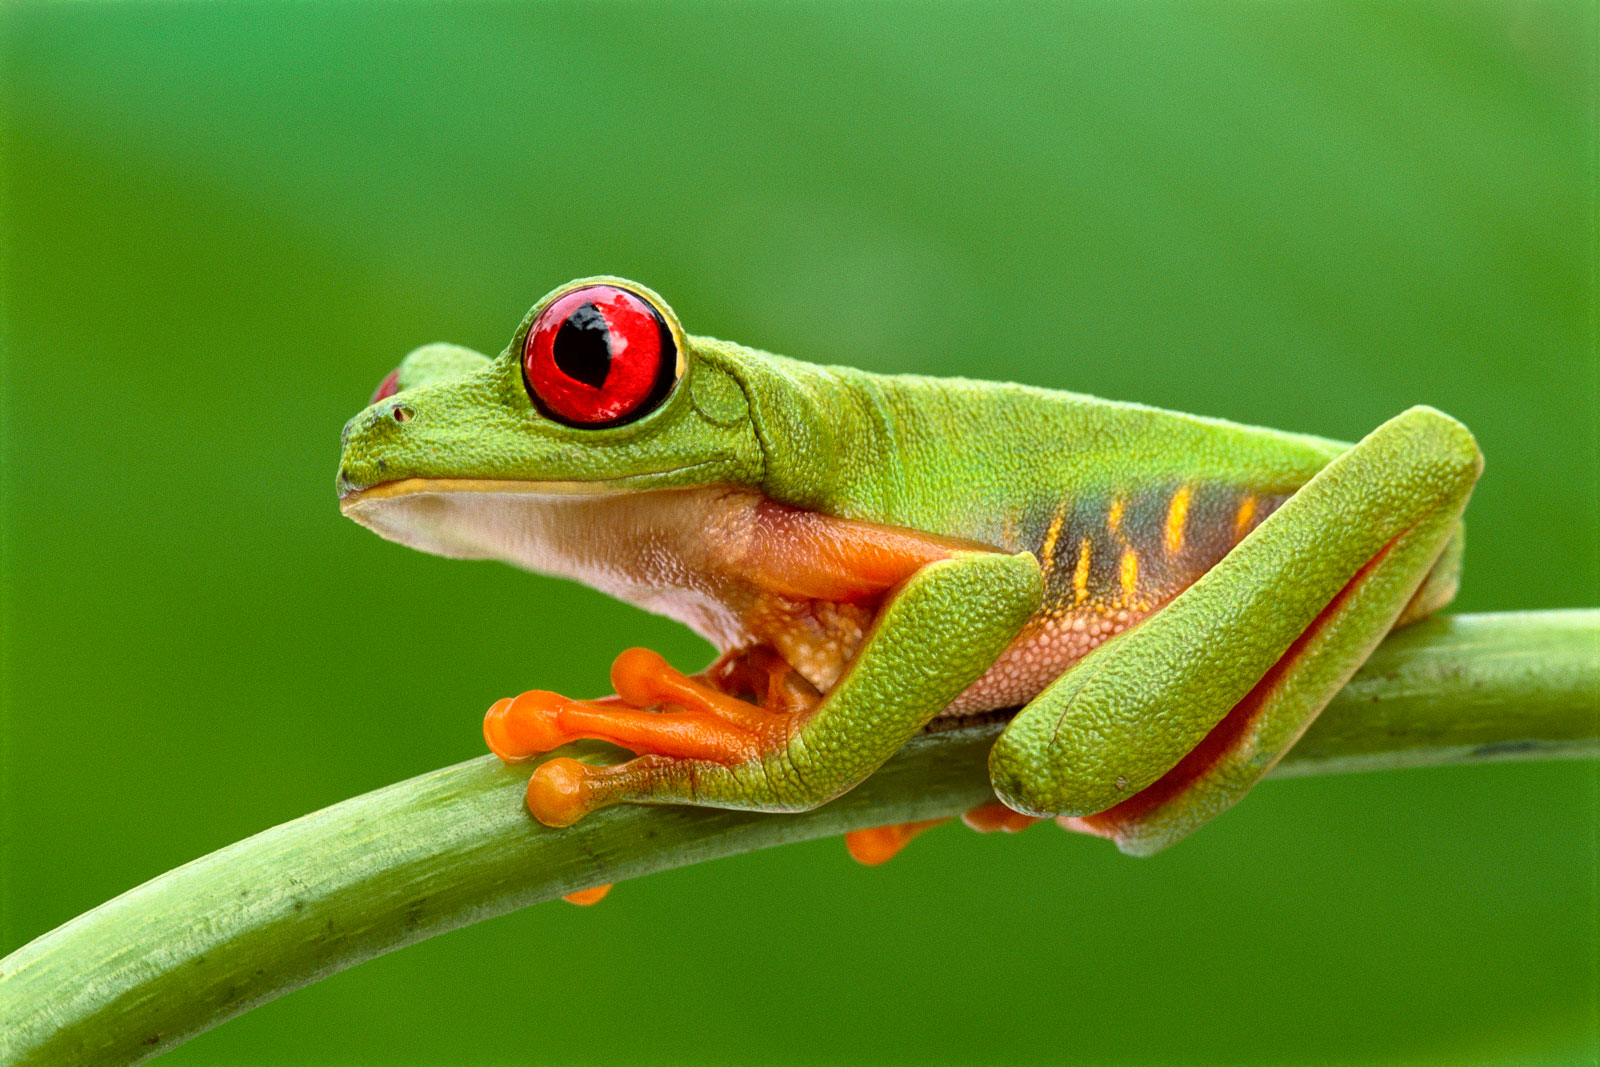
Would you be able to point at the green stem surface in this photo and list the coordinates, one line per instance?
(215, 937)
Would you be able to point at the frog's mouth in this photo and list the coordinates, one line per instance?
(351, 491)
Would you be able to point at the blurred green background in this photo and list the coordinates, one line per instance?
(225, 222)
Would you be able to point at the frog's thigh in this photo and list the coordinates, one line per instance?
(935, 637)
(1168, 725)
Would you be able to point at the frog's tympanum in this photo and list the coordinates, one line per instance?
(1168, 599)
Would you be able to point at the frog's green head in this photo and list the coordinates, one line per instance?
(600, 391)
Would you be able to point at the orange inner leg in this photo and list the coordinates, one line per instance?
(765, 678)
(879, 844)
(812, 556)
(1226, 735)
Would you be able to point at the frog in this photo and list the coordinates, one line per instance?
(1157, 604)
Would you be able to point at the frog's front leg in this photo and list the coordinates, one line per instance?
(1166, 726)
(933, 636)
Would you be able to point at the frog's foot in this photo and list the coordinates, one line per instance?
(585, 897)
(880, 844)
(671, 720)
(696, 720)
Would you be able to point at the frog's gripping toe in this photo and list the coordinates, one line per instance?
(519, 728)
(559, 793)
(880, 844)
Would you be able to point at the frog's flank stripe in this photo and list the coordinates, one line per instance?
(1177, 515)
(1134, 549)
(1242, 520)
(1080, 574)
(1129, 575)
(1047, 551)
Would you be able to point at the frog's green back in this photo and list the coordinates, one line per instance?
(997, 462)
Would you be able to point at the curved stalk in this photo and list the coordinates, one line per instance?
(211, 939)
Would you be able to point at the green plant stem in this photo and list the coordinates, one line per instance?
(209, 940)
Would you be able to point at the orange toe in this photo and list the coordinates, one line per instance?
(879, 844)
(643, 679)
(994, 816)
(584, 897)
(496, 732)
(519, 728)
(558, 792)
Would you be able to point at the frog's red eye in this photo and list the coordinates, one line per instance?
(386, 388)
(599, 356)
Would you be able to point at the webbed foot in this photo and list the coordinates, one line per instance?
(661, 714)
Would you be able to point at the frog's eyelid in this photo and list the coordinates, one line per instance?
(386, 388)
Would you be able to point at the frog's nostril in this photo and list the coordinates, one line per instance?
(401, 414)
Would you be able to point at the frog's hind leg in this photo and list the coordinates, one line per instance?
(1163, 728)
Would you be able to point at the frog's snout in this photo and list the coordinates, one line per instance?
(363, 443)
(375, 446)
(345, 486)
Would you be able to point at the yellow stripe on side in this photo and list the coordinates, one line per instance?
(1241, 521)
(1177, 515)
(1080, 575)
(1130, 574)
(1047, 551)
(1114, 518)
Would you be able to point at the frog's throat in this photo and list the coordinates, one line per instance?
(733, 565)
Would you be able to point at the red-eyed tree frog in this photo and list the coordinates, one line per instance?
(1168, 599)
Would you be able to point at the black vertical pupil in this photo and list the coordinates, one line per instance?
(582, 348)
